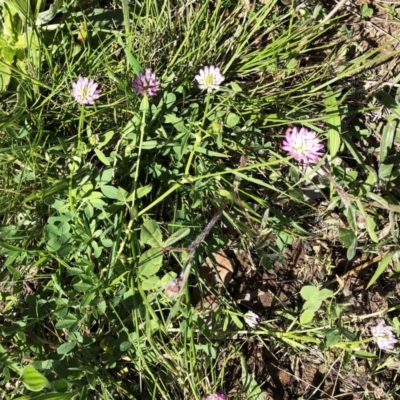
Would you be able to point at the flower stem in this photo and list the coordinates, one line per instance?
(144, 107)
(339, 188)
(198, 137)
(77, 153)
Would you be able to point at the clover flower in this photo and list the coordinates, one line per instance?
(146, 83)
(303, 145)
(173, 288)
(209, 78)
(216, 396)
(383, 336)
(251, 319)
(85, 91)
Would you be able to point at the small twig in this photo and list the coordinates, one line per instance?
(334, 11)
(357, 269)
(341, 191)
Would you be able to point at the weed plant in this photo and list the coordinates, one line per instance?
(101, 204)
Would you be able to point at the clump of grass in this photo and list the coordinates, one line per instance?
(97, 195)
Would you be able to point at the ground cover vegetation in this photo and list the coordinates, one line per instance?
(199, 199)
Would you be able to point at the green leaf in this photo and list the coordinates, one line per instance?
(143, 191)
(56, 396)
(33, 379)
(60, 385)
(102, 307)
(364, 354)
(45, 17)
(122, 195)
(177, 123)
(309, 292)
(106, 242)
(371, 225)
(387, 139)
(292, 64)
(381, 268)
(385, 172)
(306, 317)
(98, 203)
(54, 244)
(235, 87)
(236, 320)
(67, 322)
(150, 262)
(332, 337)
(109, 191)
(151, 283)
(105, 177)
(346, 236)
(312, 305)
(333, 122)
(133, 62)
(144, 104)
(169, 99)
(124, 346)
(95, 195)
(351, 251)
(176, 236)
(232, 119)
(250, 386)
(5, 76)
(324, 294)
(149, 144)
(66, 348)
(209, 153)
(351, 219)
(388, 101)
(151, 234)
(104, 139)
(102, 157)
(82, 286)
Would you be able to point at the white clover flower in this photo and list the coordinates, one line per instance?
(85, 91)
(383, 336)
(216, 396)
(209, 78)
(303, 145)
(251, 319)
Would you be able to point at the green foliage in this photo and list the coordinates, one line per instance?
(313, 300)
(33, 379)
(95, 197)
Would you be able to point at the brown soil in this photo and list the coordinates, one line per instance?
(310, 373)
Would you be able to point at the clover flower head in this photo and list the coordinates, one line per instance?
(146, 83)
(383, 336)
(251, 319)
(209, 78)
(173, 288)
(303, 145)
(85, 91)
(216, 396)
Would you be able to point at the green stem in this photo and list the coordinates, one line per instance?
(78, 153)
(142, 131)
(198, 137)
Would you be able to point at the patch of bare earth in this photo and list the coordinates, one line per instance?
(309, 373)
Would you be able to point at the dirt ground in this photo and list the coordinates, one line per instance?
(305, 375)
